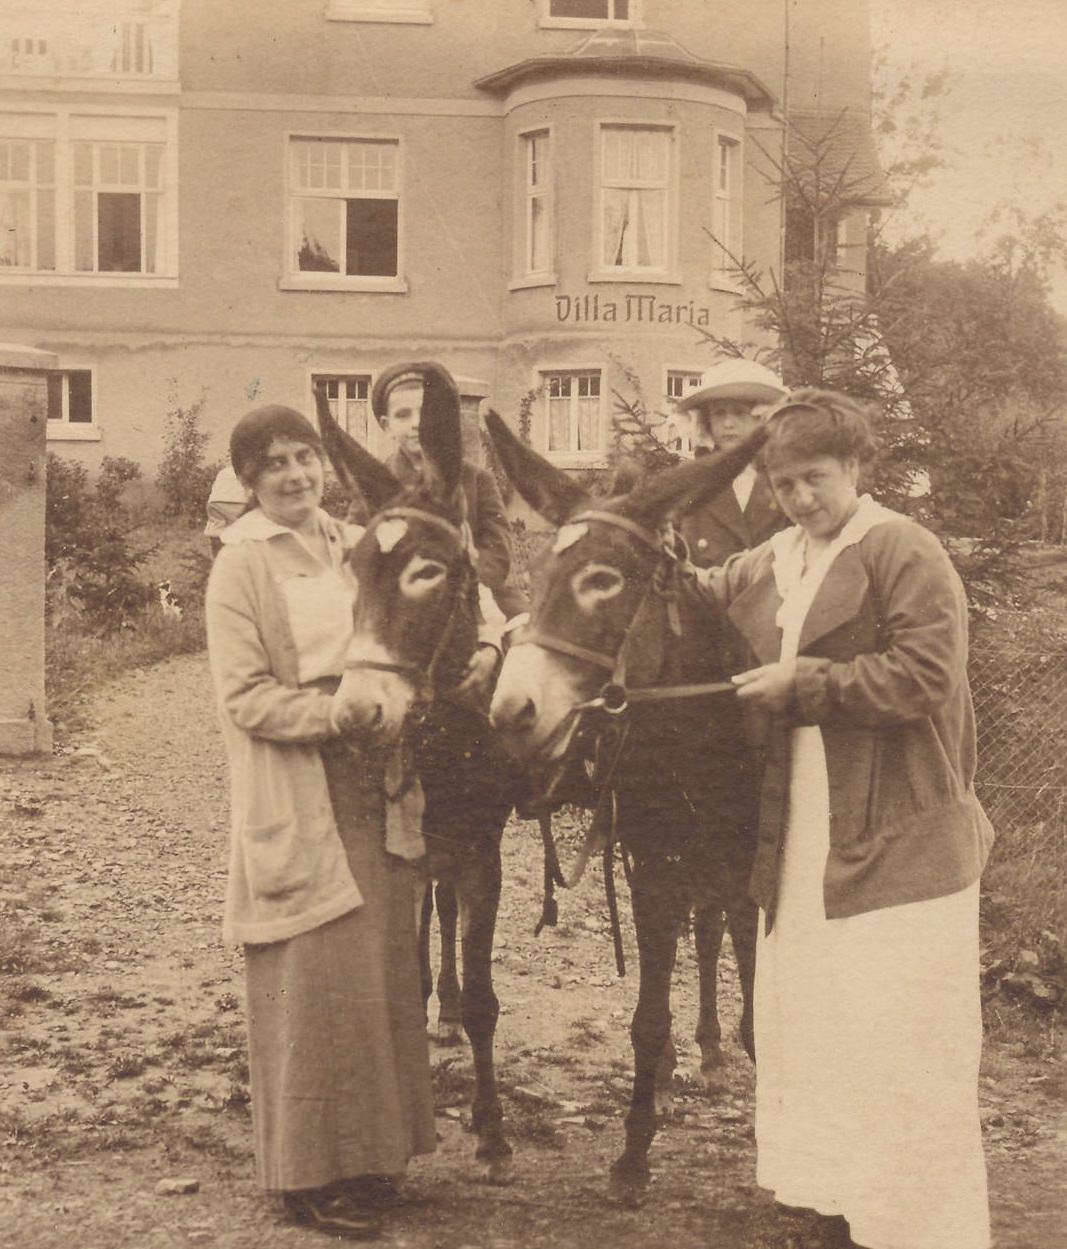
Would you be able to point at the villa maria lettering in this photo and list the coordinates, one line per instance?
(633, 308)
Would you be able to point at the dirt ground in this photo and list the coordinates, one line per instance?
(122, 1058)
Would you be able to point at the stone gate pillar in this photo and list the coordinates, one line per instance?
(24, 727)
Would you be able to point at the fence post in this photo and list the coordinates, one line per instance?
(24, 726)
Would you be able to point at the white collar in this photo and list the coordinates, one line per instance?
(787, 545)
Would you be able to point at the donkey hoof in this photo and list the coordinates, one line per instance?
(628, 1184)
(448, 1033)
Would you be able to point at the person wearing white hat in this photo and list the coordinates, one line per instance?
(727, 407)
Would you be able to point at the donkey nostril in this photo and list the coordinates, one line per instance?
(527, 716)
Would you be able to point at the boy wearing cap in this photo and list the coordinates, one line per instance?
(396, 401)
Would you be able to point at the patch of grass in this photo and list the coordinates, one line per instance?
(452, 1085)
(586, 1035)
(125, 1065)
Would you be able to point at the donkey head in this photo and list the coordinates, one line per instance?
(588, 587)
(415, 618)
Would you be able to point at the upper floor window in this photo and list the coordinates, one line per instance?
(83, 195)
(573, 413)
(344, 208)
(726, 209)
(537, 235)
(634, 197)
(589, 12)
(117, 193)
(70, 405)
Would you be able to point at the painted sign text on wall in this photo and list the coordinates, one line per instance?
(631, 307)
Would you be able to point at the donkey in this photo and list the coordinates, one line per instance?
(611, 604)
(415, 628)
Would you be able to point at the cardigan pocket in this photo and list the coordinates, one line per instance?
(277, 858)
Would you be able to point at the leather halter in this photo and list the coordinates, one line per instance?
(423, 678)
(614, 698)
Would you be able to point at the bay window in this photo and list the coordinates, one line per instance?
(634, 197)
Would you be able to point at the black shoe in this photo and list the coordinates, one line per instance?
(332, 1213)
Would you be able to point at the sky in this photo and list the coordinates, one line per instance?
(1003, 121)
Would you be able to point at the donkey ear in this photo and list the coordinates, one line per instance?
(358, 471)
(676, 491)
(439, 429)
(548, 491)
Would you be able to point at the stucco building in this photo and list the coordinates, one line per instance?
(228, 202)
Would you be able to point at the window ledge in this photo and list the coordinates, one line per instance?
(654, 277)
(371, 286)
(61, 431)
(127, 280)
(586, 23)
(339, 11)
(533, 280)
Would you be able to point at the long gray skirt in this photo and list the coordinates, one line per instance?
(338, 1056)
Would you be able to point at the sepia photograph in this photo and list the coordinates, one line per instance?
(533, 680)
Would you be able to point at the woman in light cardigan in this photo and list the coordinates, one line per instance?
(339, 1065)
(871, 843)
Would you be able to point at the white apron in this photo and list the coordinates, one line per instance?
(868, 1028)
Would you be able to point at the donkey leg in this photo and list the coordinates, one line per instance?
(423, 919)
(657, 911)
(449, 1004)
(478, 888)
(709, 924)
(744, 929)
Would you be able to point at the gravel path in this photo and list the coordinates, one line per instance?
(122, 1041)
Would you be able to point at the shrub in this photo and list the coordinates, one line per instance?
(185, 477)
(92, 571)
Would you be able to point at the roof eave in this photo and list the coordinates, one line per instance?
(739, 81)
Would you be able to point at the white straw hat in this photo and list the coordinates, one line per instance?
(736, 379)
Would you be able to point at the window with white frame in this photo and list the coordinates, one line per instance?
(634, 197)
(537, 204)
(87, 194)
(573, 413)
(344, 207)
(117, 194)
(678, 427)
(348, 396)
(70, 401)
(590, 12)
(726, 221)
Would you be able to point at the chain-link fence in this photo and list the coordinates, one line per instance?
(1018, 679)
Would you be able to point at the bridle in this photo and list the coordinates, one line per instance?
(424, 678)
(614, 697)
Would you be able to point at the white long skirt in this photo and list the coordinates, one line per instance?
(868, 1037)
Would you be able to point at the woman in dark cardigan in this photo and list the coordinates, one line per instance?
(871, 843)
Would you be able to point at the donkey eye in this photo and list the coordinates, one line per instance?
(594, 584)
(421, 576)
